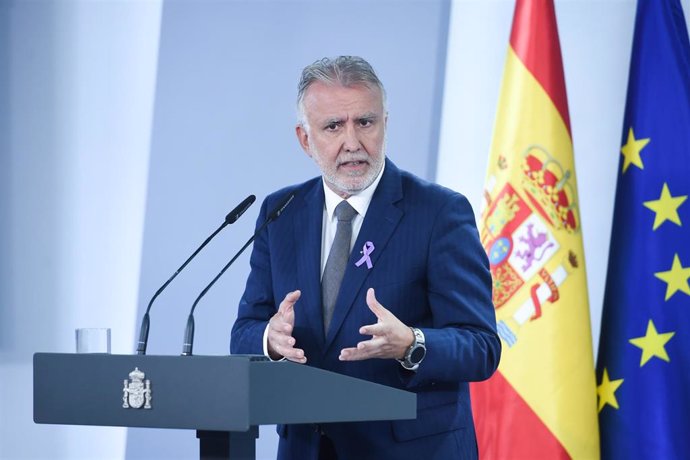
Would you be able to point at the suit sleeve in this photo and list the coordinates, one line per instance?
(257, 305)
(462, 344)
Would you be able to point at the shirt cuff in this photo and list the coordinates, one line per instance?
(265, 345)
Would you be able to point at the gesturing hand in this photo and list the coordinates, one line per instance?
(281, 343)
(390, 337)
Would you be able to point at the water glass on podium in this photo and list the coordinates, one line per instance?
(93, 340)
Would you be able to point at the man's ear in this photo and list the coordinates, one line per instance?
(303, 138)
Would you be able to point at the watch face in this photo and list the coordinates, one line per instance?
(417, 355)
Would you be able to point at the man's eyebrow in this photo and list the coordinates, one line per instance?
(368, 116)
(340, 120)
(332, 120)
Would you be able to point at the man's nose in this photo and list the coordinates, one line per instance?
(351, 139)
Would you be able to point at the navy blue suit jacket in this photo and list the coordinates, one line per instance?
(429, 269)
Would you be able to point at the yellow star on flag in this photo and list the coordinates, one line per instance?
(607, 391)
(652, 344)
(676, 278)
(666, 207)
(631, 151)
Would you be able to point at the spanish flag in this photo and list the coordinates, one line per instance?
(542, 401)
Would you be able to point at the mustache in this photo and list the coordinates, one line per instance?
(361, 157)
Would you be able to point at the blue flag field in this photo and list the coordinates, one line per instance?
(643, 369)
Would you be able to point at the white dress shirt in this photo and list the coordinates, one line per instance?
(360, 202)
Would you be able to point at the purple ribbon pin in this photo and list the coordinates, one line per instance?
(367, 249)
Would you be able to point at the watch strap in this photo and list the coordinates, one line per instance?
(417, 343)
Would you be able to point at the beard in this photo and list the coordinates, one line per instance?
(350, 182)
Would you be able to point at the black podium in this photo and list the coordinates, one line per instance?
(223, 398)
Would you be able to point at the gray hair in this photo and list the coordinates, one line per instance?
(346, 71)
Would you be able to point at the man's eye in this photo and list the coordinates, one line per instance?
(332, 126)
(365, 122)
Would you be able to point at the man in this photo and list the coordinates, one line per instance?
(410, 307)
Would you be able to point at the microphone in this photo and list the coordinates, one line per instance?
(231, 218)
(189, 329)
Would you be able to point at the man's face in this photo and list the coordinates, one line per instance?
(346, 134)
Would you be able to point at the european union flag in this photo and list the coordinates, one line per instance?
(643, 370)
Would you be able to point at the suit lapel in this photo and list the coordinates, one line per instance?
(307, 238)
(379, 224)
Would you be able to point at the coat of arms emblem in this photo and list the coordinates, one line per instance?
(523, 223)
(136, 391)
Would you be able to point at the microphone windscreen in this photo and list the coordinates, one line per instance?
(236, 213)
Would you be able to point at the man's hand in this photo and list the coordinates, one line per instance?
(391, 338)
(281, 343)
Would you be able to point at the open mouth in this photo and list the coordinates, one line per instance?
(349, 164)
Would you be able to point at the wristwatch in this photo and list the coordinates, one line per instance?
(415, 354)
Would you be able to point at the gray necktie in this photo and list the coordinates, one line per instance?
(337, 261)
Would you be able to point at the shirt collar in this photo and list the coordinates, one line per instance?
(360, 201)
